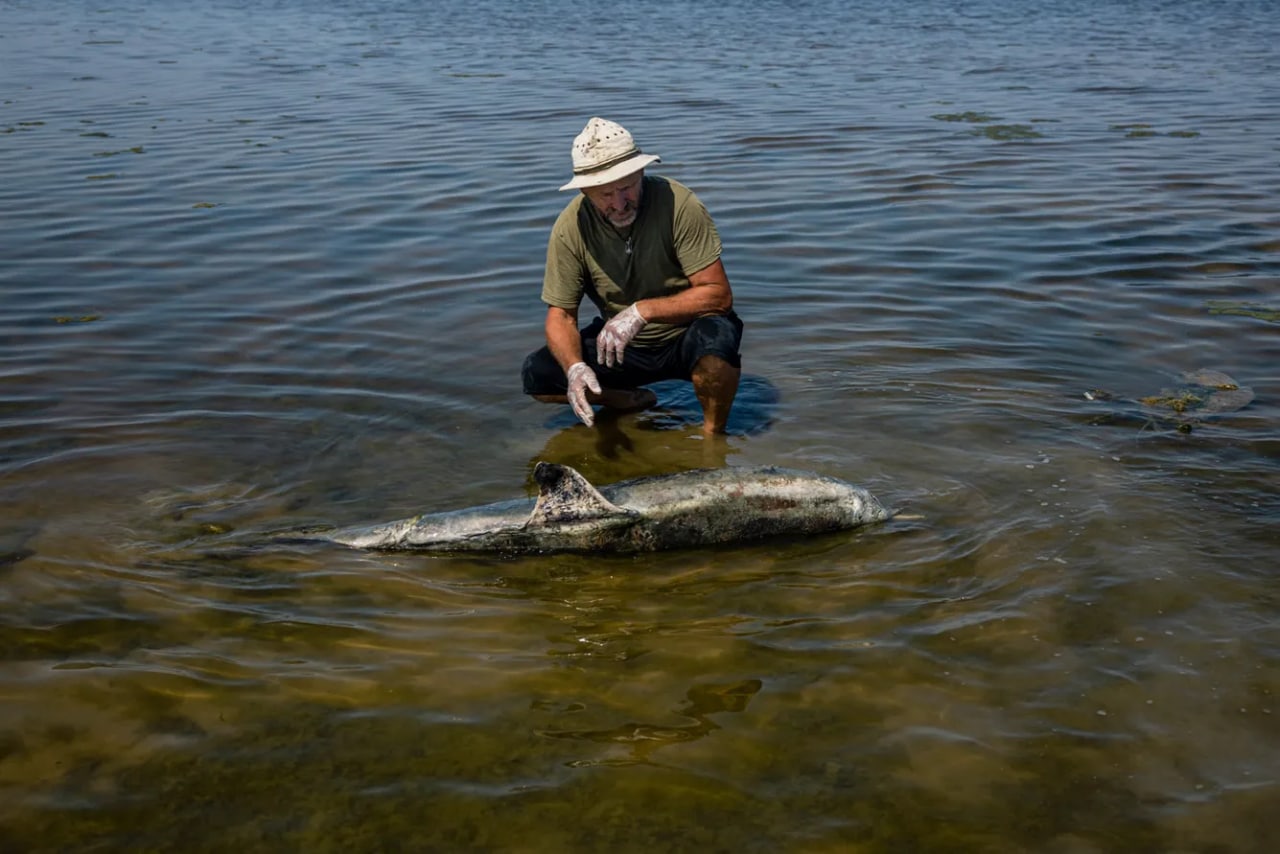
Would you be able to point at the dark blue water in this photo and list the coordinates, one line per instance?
(273, 265)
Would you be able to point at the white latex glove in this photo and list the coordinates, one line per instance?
(617, 334)
(581, 378)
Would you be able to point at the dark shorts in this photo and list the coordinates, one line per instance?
(717, 335)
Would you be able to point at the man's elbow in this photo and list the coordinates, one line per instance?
(713, 286)
(721, 301)
(559, 318)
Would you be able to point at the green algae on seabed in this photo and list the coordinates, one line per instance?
(967, 116)
(1258, 312)
(1202, 394)
(1178, 402)
(1002, 133)
(1143, 130)
(1135, 128)
(1008, 133)
(1207, 392)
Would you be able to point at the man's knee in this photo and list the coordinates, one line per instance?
(541, 374)
(717, 335)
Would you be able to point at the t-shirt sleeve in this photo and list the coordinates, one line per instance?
(696, 239)
(562, 280)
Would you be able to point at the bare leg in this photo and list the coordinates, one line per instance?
(715, 382)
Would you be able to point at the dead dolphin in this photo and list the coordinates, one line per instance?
(693, 508)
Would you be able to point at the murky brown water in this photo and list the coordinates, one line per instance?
(271, 267)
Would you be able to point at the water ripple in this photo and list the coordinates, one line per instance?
(261, 278)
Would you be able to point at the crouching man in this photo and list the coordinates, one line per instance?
(645, 252)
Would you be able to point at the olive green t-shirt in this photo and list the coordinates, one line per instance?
(673, 236)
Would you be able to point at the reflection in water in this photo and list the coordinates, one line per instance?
(643, 740)
(616, 450)
(663, 440)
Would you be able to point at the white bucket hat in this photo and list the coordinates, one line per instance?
(605, 152)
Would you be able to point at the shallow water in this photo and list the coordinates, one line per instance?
(273, 267)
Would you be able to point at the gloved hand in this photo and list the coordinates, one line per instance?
(617, 334)
(581, 378)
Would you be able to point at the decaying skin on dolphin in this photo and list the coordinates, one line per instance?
(693, 508)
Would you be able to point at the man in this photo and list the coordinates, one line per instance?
(645, 251)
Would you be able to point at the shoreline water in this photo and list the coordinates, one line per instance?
(272, 267)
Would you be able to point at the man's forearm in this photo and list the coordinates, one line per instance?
(688, 305)
(708, 293)
(563, 339)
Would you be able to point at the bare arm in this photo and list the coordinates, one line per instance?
(708, 293)
(562, 336)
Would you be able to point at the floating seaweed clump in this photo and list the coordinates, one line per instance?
(1142, 130)
(1180, 402)
(967, 116)
(1242, 309)
(1008, 133)
(1203, 394)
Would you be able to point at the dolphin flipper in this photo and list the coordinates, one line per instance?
(564, 495)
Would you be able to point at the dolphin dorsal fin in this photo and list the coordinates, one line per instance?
(566, 496)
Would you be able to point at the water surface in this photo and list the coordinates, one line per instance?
(270, 266)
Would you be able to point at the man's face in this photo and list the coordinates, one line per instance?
(619, 201)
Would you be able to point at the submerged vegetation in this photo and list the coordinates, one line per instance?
(1007, 133)
(1001, 133)
(1017, 132)
(1258, 312)
(1178, 402)
(967, 116)
(1142, 130)
(1204, 393)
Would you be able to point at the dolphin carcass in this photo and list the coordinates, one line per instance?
(692, 508)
